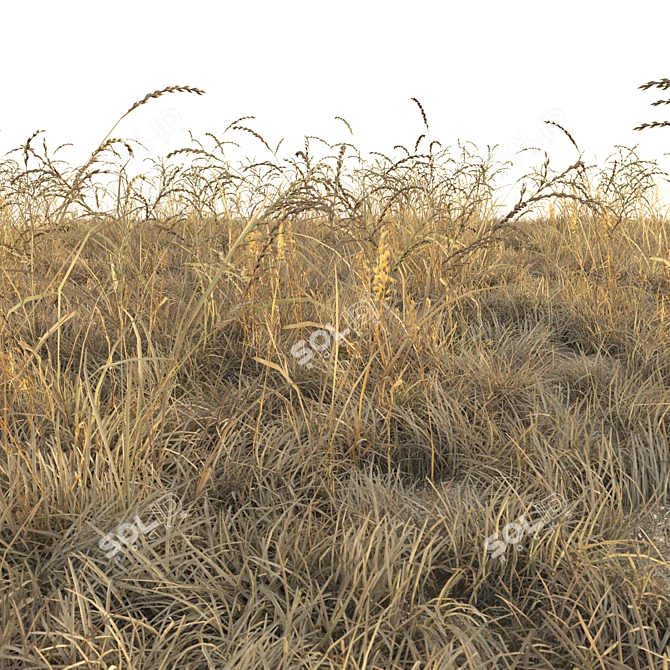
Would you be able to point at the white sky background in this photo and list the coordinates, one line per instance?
(484, 72)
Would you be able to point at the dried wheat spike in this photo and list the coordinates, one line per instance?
(570, 137)
(664, 84)
(423, 114)
(653, 124)
(109, 144)
(158, 94)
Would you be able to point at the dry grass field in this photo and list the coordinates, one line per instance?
(348, 499)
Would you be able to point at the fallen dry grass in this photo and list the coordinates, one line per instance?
(336, 515)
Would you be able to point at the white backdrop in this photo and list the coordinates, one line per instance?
(485, 72)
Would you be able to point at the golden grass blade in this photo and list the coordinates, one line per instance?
(281, 371)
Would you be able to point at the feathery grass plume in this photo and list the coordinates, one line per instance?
(552, 214)
(381, 278)
(362, 268)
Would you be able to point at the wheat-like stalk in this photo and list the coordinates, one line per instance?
(573, 219)
(160, 93)
(423, 113)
